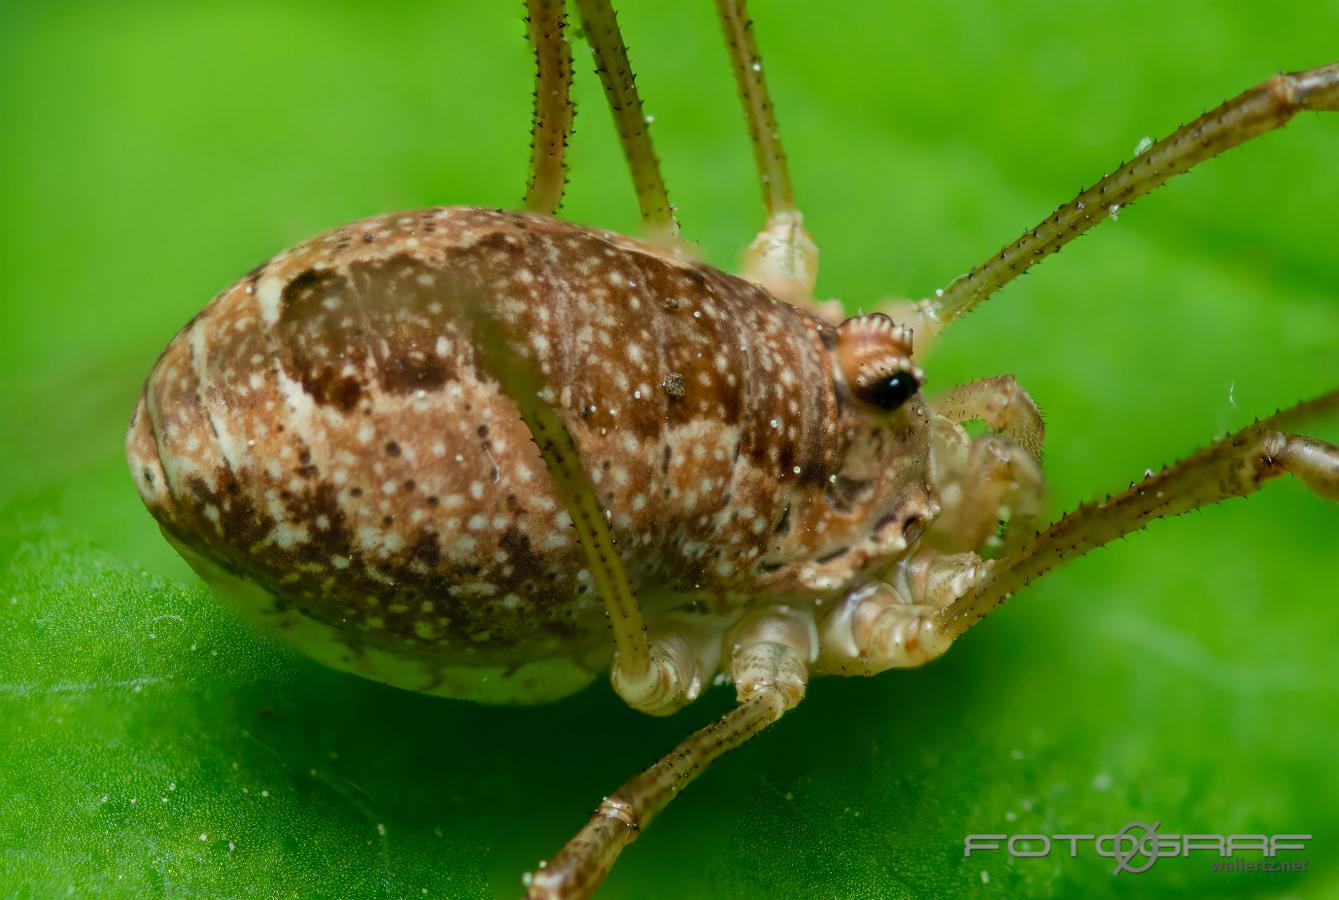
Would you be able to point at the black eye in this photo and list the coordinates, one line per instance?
(891, 391)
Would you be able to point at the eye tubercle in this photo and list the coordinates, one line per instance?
(874, 355)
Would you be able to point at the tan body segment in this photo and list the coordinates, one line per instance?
(323, 428)
(454, 449)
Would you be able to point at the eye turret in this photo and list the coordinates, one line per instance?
(875, 359)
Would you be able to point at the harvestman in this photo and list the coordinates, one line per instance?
(962, 588)
(755, 486)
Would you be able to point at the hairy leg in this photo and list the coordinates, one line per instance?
(769, 669)
(763, 132)
(929, 599)
(654, 676)
(1235, 466)
(620, 88)
(545, 22)
(783, 258)
(1261, 109)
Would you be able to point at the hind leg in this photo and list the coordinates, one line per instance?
(654, 673)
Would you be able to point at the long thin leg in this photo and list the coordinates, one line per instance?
(654, 677)
(545, 22)
(763, 131)
(1235, 466)
(620, 88)
(1261, 109)
(769, 672)
(783, 258)
(931, 598)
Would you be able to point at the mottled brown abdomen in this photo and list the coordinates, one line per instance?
(321, 429)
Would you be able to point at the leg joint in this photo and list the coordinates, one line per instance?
(620, 811)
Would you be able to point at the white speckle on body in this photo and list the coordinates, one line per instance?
(268, 294)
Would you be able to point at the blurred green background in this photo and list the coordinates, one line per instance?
(153, 152)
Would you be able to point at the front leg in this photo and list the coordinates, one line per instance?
(1261, 109)
(1235, 466)
(928, 599)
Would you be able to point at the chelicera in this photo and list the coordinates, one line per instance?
(454, 449)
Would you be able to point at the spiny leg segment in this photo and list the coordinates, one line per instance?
(763, 132)
(620, 89)
(769, 669)
(783, 258)
(1261, 109)
(1232, 467)
(545, 22)
(935, 596)
(930, 598)
(658, 676)
(1235, 466)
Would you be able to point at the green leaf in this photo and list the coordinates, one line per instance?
(152, 744)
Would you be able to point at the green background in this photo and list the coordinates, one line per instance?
(152, 152)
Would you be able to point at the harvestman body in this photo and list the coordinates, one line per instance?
(451, 449)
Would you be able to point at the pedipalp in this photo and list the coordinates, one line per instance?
(1234, 466)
